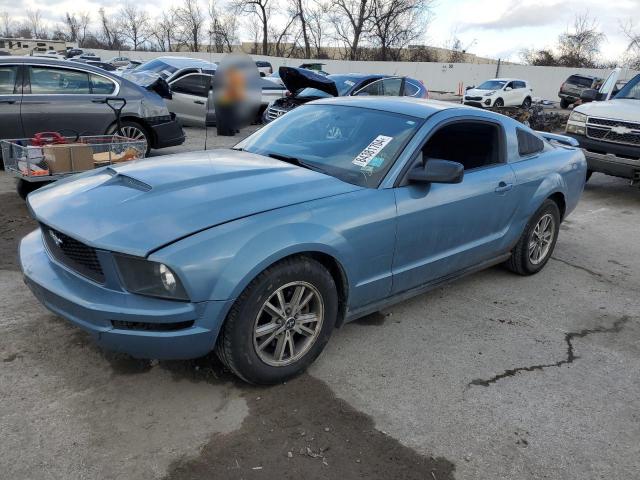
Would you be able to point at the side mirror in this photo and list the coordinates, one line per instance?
(589, 95)
(508, 89)
(436, 170)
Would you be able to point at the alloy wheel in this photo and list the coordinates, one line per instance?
(541, 239)
(133, 133)
(288, 324)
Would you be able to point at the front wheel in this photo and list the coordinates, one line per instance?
(534, 249)
(280, 323)
(498, 103)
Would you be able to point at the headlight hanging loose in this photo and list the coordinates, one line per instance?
(146, 277)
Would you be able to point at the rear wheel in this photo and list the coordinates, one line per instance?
(564, 103)
(589, 173)
(135, 131)
(24, 188)
(535, 247)
(280, 323)
(526, 103)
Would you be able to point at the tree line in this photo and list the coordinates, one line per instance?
(356, 29)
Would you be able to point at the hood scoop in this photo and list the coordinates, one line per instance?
(121, 179)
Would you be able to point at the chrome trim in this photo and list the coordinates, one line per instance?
(609, 128)
(46, 65)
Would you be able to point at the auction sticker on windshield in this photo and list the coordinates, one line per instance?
(371, 150)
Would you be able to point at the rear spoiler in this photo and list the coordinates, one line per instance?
(561, 139)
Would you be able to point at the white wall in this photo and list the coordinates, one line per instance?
(444, 77)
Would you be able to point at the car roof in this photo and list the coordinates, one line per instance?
(358, 76)
(184, 62)
(414, 107)
(504, 79)
(56, 63)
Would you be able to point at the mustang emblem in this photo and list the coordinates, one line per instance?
(56, 239)
(621, 130)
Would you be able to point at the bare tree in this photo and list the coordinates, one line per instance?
(396, 23)
(632, 55)
(284, 40)
(134, 24)
(163, 31)
(581, 47)
(317, 16)
(351, 19)
(298, 10)
(76, 27)
(223, 29)
(36, 24)
(5, 24)
(260, 9)
(190, 20)
(541, 58)
(110, 32)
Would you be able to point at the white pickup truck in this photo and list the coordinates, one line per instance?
(608, 129)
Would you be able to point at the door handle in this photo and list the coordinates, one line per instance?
(10, 102)
(198, 102)
(504, 187)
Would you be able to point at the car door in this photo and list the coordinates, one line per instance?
(189, 98)
(391, 86)
(10, 100)
(445, 229)
(66, 100)
(509, 95)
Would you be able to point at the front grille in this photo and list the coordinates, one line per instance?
(75, 255)
(475, 99)
(273, 113)
(605, 129)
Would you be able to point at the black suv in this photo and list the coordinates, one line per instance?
(573, 87)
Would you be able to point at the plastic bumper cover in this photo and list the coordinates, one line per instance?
(167, 134)
(93, 307)
(610, 158)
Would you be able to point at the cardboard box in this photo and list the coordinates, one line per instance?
(106, 158)
(71, 157)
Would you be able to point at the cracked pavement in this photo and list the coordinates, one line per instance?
(494, 376)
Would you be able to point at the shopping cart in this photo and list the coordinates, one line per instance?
(49, 156)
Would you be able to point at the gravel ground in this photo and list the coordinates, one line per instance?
(494, 376)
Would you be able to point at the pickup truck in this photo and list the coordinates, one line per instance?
(608, 129)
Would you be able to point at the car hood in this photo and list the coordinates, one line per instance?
(477, 92)
(295, 79)
(140, 206)
(617, 109)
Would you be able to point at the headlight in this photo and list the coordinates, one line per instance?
(154, 279)
(488, 94)
(577, 117)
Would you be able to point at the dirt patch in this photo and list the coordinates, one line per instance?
(15, 223)
(301, 430)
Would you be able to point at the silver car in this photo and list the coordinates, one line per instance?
(190, 94)
(168, 69)
(43, 95)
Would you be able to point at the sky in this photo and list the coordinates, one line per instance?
(496, 29)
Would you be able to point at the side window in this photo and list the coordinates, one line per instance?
(509, 85)
(101, 85)
(8, 76)
(410, 90)
(374, 88)
(45, 80)
(392, 87)
(197, 85)
(473, 144)
(518, 84)
(528, 144)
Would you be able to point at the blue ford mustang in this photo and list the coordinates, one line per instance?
(336, 210)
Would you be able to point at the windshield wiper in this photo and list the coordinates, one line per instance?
(295, 161)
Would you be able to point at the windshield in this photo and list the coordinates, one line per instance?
(631, 90)
(492, 85)
(156, 66)
(355, 145)
(344, 83)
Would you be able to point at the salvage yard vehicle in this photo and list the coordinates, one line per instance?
(45, 95)
(340, 208)
(609, 131)
(500, 92)
(572, 88)
(306, 85)
(168, 69)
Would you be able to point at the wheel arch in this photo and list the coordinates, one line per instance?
(560, 201)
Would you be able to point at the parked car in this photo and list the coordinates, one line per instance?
(90, 56)
(306, 85)
(316, 67)
(264, 68)
(50, 54)
(340, 208)
(572, 88)
(168, 69)
(43, 95)
(74, 52)
(103, 65)
(190, 98)
(120, 61)
(500, 92)
(608, 130)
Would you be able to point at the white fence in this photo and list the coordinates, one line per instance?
(444, 77)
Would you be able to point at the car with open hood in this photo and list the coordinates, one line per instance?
(306, 85)
(336, 210)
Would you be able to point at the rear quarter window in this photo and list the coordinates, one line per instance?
(528, 144)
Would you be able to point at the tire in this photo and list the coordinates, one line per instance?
(564, 103)
(498, 103)
(526, 103)
(136, 131)
(256, 358)
(522, 261)
(589, 173)
(24, 188)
